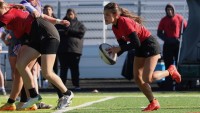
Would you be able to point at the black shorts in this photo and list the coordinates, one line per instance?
(149, 47)
(44, 37)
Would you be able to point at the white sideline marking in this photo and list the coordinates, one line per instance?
(84, 105)
(140, 95)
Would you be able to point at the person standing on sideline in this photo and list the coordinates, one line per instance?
(70, 48)
(131, 34)
(169, 31)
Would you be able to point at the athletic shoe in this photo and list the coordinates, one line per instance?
(8, 107)
(42, 105)
(32, 101)
(65, 101)
(154, 105)
(174, 73)
(32, 108)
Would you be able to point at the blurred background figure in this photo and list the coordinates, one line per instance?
(2, 84)
(70, 48)
(169, 30)
(2, 87)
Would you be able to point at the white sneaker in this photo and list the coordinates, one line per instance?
(32, 101)
(3, 92)
(65, 101)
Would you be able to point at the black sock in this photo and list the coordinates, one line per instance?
(23, 97)
(60, 94)
(68, 92)
(10, 101)
(32, 92)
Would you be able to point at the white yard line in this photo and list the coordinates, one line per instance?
(141, 95)
(85, 104)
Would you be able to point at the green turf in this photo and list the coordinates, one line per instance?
(130, 102)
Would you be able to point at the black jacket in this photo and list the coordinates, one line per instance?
(71, 38)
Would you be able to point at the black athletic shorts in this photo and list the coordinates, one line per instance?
(149, 47)
(44, 37)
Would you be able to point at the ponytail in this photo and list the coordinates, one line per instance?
(126, 13)
(114, 8)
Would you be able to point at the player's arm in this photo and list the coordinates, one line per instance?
(30, 8)
(55, 21)
(134, 43)
(161, 35)
(160, 31)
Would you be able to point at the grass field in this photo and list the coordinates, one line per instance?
(129, 102)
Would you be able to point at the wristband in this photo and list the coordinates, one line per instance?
(58, 21)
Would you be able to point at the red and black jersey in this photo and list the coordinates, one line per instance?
(125, 26)
(172, 25)
(18, 21)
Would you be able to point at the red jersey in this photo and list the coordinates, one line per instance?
(171, 26)
(126, 26)
(18, 21)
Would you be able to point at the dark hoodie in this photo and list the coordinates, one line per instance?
(169, 28)
(171, 6)
(71, 38)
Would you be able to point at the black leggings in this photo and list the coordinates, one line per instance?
(70, 61)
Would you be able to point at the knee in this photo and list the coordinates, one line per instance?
(148, 80)
(47, 75)
(19, 66)
(138, 80)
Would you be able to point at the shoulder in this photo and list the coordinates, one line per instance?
(125, 21)
(164, 18)
(179, 16)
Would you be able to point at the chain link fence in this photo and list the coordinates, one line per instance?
(90, 12)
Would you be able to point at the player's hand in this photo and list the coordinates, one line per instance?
(65, 22)
(36, 14)
(19, 6)
(113, 50)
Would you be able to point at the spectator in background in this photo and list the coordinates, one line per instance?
(169, 30)
(70, 48)
(2, 87)
(48, 10)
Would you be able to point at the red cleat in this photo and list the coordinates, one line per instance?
(174, 73)
(154, 105)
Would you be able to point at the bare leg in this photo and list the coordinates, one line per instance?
(1, 80)
(47, 62)
(144, 74)
(17, 80)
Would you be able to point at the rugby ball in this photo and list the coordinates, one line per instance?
(105, 56)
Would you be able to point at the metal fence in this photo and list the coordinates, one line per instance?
(90, 12)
